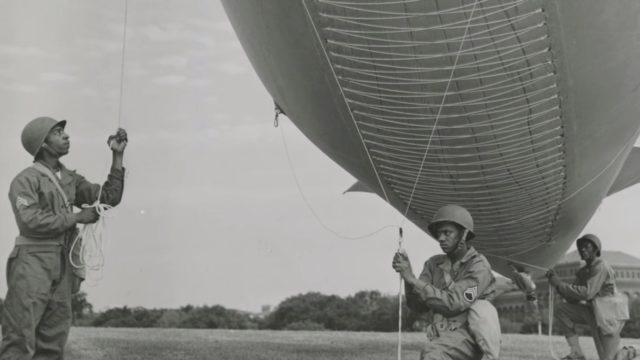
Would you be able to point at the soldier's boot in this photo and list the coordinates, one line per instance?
(576, 350)
(626, 353)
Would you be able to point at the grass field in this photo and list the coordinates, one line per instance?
(176, 344)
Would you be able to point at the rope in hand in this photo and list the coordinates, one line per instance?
(551, 302)
(400, 300)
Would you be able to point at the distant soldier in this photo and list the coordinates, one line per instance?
(452, 289)
(40, 278)
(592, 299)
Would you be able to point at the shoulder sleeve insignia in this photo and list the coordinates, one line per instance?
(470, 294)
(21, 202)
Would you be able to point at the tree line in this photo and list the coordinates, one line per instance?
(363, 311)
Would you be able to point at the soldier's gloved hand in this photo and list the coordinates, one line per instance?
(118, 142)
(87, 216)
(75, 284)
(402, 265)
(523, 281)
(531, 296)
(553, 278)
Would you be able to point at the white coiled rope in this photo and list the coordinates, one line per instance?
(90, 240)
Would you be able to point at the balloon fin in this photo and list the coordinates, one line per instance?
(359, 186)
(629, 174)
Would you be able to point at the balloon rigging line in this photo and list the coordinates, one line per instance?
(568, 197)
(523, 72)
(385, 68)
(408, 154)
(512, 152)
(308, 203)
(519, 159)
(602, 171)
(486, 87)
(403, 44)
(89, 243)
(510, 131)
(122, 60)
(551, 315)
(481, 75)
(435, 124)
(453, 10)
(319, 38)
(472, 51)
(400, 288)
(515, 196)
(435, 184)
(381, 29)
(387, 142)
(407, 93)
(495, 98)
(491, 47)
(400, 174)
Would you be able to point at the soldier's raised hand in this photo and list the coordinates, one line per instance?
(118, 141)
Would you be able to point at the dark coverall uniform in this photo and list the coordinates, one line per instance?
(451, 290)
(597, 279)
(37, 309)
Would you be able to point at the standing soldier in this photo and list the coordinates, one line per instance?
(449, 288)
(592, 300)
(37, 309)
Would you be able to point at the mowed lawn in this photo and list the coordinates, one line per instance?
(175, 344)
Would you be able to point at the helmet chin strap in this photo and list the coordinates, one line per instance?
(51, 151)
(463, 239)
(48, 148)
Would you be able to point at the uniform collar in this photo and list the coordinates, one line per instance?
(595, 262)
(65, 174)
(471, 253)
(61, 166)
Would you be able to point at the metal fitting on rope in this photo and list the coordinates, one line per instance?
(278, 111)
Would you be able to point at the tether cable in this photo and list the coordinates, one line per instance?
(122, 60)
(306, 200)
(89, 241)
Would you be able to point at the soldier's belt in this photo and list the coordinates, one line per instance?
(438, 328)
(24, 240)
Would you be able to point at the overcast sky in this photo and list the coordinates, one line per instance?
(211, 213)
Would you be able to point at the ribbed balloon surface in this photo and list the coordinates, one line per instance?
(456, 102)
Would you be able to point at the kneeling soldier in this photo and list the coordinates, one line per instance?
(449, 288)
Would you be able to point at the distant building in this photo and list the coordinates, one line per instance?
(512, 304)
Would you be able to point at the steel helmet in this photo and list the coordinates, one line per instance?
(35, 133)
(593, 239)
(455, 214)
